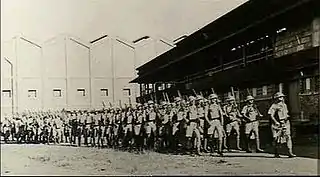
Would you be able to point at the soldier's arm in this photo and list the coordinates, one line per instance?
(271, 112)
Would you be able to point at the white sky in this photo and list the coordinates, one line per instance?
(40, 20)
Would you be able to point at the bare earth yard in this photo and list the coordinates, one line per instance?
(30, 159)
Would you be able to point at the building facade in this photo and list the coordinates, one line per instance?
(66, 72)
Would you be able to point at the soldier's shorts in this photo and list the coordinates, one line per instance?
(175, 127)
(215, 128)
(150, 127)
(233, 125)
(252, 126)
(127, 128)
(116, 129)
(137, 129)
(276, 130)
(201, 125)
(192, 127)
(58, 132)
(161, 130)
(108, 130)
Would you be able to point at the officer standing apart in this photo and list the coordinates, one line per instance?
(280, 124)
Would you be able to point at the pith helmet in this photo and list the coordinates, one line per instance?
(150, 102)
(198, 98)
(177, 99)
(192, 98)
(278, 94)
(231, 98)
(212, 96)
(249, 97)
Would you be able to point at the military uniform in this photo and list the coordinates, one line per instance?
(280, 125)
(250, 113)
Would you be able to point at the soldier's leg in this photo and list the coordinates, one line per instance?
(256, 132)
(198, 141)
(237, 129)
(248, 129)
(289, 139)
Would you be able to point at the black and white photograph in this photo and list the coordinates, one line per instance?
(160, 87)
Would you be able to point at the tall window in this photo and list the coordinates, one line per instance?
(254, 92)
(6, 93)
(57, 93)
(104, 92)
(81, 92)
(32, 93)
(264, 90)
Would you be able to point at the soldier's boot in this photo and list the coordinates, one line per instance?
(289, 146)
(258, 144)
(276, 149)
(205, 145)
(247, 143)
(220, 147)
(238, 142)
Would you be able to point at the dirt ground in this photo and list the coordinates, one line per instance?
(33, 159)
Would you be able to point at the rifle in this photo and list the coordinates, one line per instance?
(103, 104)
(179, 94)
(164, 96)
(212, 90)
(167, 97)
(194, 92)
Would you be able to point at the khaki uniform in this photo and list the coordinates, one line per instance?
(150, 123)
(215, 124)
(192, 126)
(252, 124)
(232, 112)
(127, 126)
(280, 112)
(140, 116)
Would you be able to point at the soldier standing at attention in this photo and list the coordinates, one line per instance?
(192, 126)
(214, 117)
(233, 122)
(150, 127)
(250, 113)
(280, 124)
(138, 121)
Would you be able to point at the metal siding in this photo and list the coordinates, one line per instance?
(101, 59)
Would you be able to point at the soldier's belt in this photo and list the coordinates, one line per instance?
(218, 118)
(250, 121)
(193, 120)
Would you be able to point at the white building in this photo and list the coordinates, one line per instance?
(66, 72)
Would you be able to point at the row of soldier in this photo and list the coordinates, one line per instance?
(192, 126)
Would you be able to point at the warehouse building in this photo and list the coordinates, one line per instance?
(66, 72)
(259, 48)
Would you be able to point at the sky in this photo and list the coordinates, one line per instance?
(40, 20)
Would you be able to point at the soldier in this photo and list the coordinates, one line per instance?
(150, 126)
(161, 121)
(280, 124)
(214, 117)
(74, 127)
(5, 126)
(250, 113)
(179, 115)
(192, 125)
(128, 127)
(203, 124)
(67, 127)
(233, 122)
(116, 127)
(58, 129)
(138, 121)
